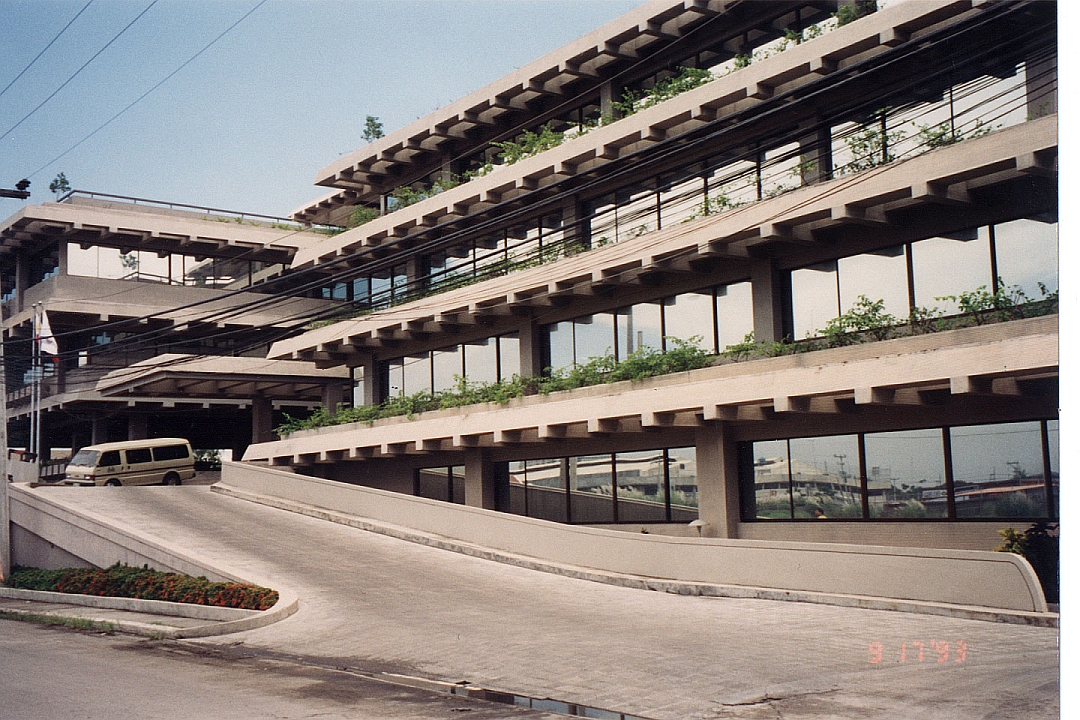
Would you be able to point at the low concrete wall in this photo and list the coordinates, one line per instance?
(954, 577)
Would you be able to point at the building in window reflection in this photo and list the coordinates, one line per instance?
(857, 223)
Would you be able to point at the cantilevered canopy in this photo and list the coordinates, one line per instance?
(34, 227)
(190, 376)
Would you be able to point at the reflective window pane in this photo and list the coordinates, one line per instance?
(480, 361)
(998, 471)
(771, 486)
(814, 299)
(690, 315)
(516, 470)
(734, 313)
(907, 471)
(546, 488)
(395, 382)
(1027, 255)
(682, 477)
(590, 489)
(509, 356)
(949, 266)
(1052, 438)
(561, 345)
(594, 337)
(825, 477)
(639, 478)
(446, 368)
(638, 326)
(417, 373)
(880, 275)
(457, 484)
(432, 483)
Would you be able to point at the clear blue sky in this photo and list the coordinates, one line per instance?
(247, 124)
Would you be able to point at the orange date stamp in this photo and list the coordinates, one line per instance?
(936, 651)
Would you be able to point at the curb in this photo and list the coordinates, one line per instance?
(675, 587)
(227, 620)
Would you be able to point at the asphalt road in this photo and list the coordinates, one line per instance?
(60, 674)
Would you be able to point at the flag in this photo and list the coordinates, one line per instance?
(46, 341)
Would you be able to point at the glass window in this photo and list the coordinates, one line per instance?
(457, 484)
(432, 483)
(509, 356)
(481, 365)
(546, 489)
(780, 171)
(594, 337)
(171, 452)
(998, 470)
(690, 315)
(446, 368)
(734, 313)
(362, 290)
(561, 345)
(516, 471)
(732, 185)
(825, 476)
(138, 455)
(683, 484)
(772, 488)
(1027, 255)
(946, 266)
(637, 215)
(603, 226)
(109, 458)
(1052, 438)
(638, 326)
(905, 474)
(590, 489)
(814, 299)
(381, 290)
(395, 378)
(417, 373)
(681, 201)
(639, 478)
(359, 389)
(880, 275)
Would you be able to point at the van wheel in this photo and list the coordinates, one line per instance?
(112, 483)
(171, 479)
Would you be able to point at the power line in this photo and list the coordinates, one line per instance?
(155, 87)
(75, 74)
(38, 56)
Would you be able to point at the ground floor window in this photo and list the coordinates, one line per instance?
(1001, 470)
(628, 487)
(441, 483)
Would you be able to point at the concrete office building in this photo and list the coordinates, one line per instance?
(151, 306)
(700, 171)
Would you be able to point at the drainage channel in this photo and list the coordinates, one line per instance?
(545, 704)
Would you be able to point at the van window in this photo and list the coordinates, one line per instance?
(86, 458)
(112, 457)
(138, 455)
(170, 452)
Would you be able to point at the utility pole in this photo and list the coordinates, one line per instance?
(5, 508)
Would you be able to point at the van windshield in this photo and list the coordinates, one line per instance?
(86, 458)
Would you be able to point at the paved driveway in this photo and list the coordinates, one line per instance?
(375, 603)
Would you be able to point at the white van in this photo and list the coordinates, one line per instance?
(136, 462)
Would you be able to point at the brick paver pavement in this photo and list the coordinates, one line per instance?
(377, 603)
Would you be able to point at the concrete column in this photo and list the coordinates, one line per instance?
(531, 349)
(332, 394)
(770, 290)
(718, 480)
(22, 278)
(261, 420)
(373, 389)
(610, 93)
(62, 257)
(479, 480)
(98, 430)
(137, 427)
(1042, 87)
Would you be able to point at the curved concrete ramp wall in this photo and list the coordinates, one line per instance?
(976, 579)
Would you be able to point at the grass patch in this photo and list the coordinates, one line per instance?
(73, 623)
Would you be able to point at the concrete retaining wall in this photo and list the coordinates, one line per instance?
(955, 577)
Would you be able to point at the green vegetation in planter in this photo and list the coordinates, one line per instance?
(850, 13)
(1040, 546)
(531, 143)
(865, 316)
(935, 136)
(143, 583)
(681, 356)
(361, 215)
(687, 79)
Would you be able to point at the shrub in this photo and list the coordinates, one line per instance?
(1039, 545)
(146, 584)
